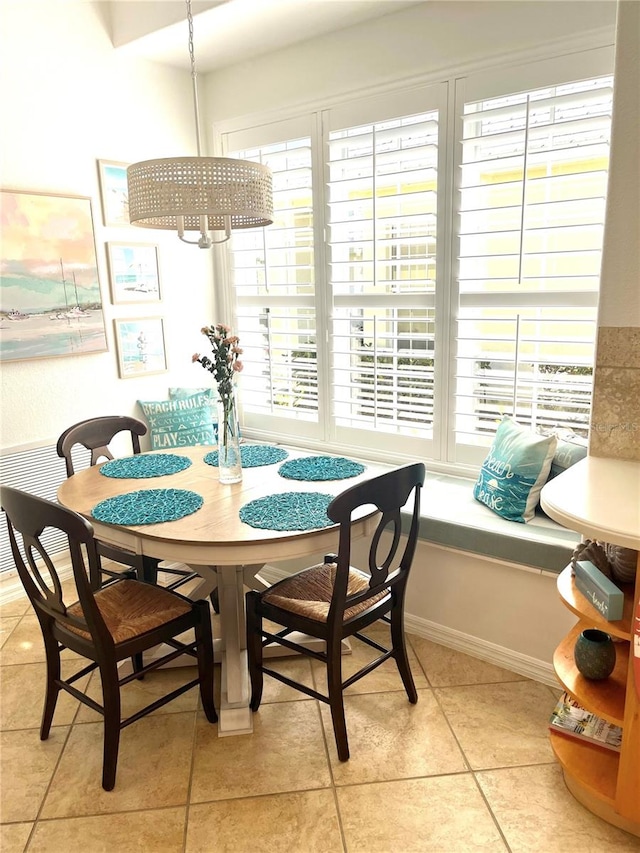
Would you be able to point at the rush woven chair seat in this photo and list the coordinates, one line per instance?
(96, 434)
(335, 600)
(106, 624)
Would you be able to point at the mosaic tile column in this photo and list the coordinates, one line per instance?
(615, 413)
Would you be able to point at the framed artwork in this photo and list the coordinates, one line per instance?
(140, 344)
(114, 193)
(134, 273)
(50, 302)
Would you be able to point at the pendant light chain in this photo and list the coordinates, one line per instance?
(194, 76)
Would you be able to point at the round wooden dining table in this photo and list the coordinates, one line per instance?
(226, 552)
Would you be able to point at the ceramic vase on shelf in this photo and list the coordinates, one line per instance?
(229, 460)
(595, 654)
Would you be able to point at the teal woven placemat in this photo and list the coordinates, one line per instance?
(288, 511)
(147, 506)
(253, 455)
(141, 467)
(320, 468)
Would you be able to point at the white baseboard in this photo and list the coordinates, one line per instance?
(273, 574)
(11, 587)
(482, 649)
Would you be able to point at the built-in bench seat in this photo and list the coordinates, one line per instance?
(451, 516)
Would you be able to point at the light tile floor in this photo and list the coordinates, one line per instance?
(469, 768)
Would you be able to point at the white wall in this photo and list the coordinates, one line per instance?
(68, 99)
(620, 278)
(510, 615)
(424, 39)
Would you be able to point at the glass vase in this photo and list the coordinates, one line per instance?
(229, 460)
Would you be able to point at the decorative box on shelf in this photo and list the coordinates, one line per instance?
(599, 590)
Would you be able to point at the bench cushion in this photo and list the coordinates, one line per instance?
(451, 516)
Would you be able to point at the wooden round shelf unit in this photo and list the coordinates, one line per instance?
(599, 498)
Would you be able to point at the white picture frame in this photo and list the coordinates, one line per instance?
(114, 193)
(140, 343)
(134, 272)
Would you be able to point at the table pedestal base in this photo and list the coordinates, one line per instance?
(235, 718)
(234, 714)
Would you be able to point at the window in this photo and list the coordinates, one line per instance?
(533, 179)
(381, 242)
(274, 281)
(430, 267)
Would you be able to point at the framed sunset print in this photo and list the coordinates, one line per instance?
(50, 300)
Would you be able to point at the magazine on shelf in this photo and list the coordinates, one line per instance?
(569, 718)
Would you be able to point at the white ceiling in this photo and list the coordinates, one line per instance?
(231, 31)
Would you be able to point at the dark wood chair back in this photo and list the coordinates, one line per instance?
(29, 516)
(388, 493)
(107, 624)
(96, 434)
(334, 600)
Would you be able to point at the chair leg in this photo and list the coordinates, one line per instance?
(336, 700)
(111, 703)
(254, 648)
(400, 653)
(149, 570)
(215, 600)
(52, 690)
(137, 662)
(204, 650)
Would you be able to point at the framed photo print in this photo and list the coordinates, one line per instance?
(141, 347)
(134, 273)
(50, 301)
(114, 192)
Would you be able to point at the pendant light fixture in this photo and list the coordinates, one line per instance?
(201, 194)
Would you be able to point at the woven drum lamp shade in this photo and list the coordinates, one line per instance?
(219, 188)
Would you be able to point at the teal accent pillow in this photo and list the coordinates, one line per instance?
(212, 400)
(515, 470)
(179, 423)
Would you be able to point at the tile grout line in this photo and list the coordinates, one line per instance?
(194, 738)
(334, 790)
(48, 788)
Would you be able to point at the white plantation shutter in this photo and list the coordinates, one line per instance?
(274, 281)
(433, 265)
(532, 189)
(376, 294)
(382, 213)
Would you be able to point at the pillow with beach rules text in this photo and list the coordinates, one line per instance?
(515, 470)
(180, 393)
(179, 423)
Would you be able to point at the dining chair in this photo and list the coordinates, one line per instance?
(95, 434)
(106, 624)
(334, 600)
